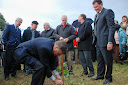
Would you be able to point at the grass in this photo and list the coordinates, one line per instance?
(120, 77)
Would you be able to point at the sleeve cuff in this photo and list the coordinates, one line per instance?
(52, 78)
(55, 72)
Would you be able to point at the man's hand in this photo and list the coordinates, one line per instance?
(77, 29)
(58, 77)
(78, 39)
(61, 38)
(58, 82)
(109, 46)
(66, 39)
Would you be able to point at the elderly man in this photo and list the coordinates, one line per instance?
(30, 33)
(40, 54)
(66, 32)
(11, 39)
(48, 31)
(84, 40)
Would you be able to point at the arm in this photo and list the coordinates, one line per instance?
(111, 25)
(47, 59)
(24, 36)
(52, 36)
(5, 35)
(56, 35)
(73, 34)
(87, 32)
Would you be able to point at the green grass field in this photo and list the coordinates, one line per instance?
(120, 77)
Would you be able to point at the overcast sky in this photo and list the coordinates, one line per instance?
(52, 10)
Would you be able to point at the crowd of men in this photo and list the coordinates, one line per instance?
(40, 53)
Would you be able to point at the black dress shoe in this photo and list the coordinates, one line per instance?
(6, 78)
(84, 74)
(15, 76)
(97, 78)
(91, 75)
(107, 82)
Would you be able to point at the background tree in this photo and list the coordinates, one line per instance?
(2, 22)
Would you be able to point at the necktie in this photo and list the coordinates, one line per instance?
(16, 29)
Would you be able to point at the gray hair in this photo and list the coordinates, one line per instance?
(17, 19)
(63, 16)
(62, 46)
(46, 23)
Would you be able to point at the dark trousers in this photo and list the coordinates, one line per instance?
(39, 74)
(104, 58)
(86, 61)
(93, 53)
(9, 62)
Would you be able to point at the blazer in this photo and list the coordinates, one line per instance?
(105, 27)
(67, 32)
(27, 35)
(11, 37)
(85, 35)
(48, 33)
(41, 49)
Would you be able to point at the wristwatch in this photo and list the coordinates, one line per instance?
(110, 42)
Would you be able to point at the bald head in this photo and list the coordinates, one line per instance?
(64, 19)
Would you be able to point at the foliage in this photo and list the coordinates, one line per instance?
(2, 22)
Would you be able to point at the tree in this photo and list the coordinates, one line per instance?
(2, 22)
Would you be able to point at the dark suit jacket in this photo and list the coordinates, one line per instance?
(48, 33)
(11, 36)
(105, 27)
(67, 32)
(27, 35)
(41, 49)
(85, 35)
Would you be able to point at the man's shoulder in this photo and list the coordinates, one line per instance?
(59, 25)
(9, 25)
(108, 10)
(27, 30)
(52, 29)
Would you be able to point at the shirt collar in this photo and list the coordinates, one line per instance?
(15, 26)
(100, 11)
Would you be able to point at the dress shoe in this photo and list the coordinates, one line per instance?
(107, 82)
(91, 75)
(6, 77)
(97, 78)
(84, 74)
(15, 76)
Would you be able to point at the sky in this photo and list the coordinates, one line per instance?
(52, 10)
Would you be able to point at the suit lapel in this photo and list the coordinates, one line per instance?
(99, 15)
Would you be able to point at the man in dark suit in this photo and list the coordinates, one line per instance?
(66, 32)
(48, 32)
(30, 33)
(11, 39)
(40, 54)
(104, 29)
(84, 40)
